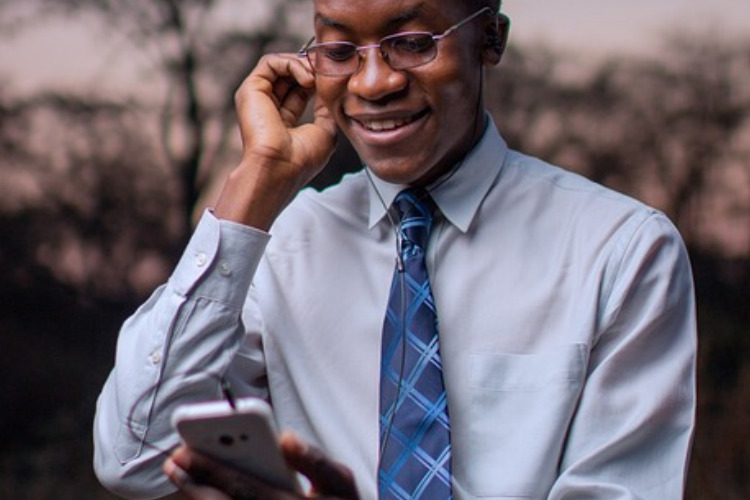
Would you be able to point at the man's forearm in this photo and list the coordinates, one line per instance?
(173, 350)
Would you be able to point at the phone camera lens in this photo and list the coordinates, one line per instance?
(226, 440)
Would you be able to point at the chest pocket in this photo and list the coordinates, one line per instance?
(510, 439)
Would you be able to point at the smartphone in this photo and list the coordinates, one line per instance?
(244, 437)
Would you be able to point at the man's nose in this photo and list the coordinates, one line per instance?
(375, 79)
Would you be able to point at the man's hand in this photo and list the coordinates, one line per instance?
(201, 478)
(279, 155)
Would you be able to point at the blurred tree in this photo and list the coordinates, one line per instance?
(668, 130)
(76, 219)
(92, 217)
(521, 95)
(83, 200)
(202, 57)
(686, 113)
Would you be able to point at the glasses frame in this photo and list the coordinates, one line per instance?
(304, 52)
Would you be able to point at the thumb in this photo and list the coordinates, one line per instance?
(322, 117)
(187, 486)
(318, 139)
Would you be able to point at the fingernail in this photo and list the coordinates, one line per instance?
(291, 442)
(181, 458)
(176, 474)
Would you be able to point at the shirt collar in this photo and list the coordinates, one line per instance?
(458, 197)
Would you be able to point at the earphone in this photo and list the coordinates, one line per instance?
(497, 38)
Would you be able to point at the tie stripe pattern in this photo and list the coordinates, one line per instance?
(414, 425)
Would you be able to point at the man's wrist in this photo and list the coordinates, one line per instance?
(252, 198)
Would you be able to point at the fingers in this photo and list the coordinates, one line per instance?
(188, 487)
(323, 118)
(270, 103)
(293, 92)
(202, 478)
(280, 155)
(275, 74)
(328, 478)
(294, 103)
(285, 81)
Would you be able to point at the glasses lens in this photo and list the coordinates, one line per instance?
(407, 50)
(334, 59)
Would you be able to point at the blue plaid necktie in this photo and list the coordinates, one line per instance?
(414, 427)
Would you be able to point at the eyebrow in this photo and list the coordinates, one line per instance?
(392, 24)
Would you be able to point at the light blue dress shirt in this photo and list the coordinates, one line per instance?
(567, 331)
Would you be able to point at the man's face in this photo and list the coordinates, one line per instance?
(408, 126)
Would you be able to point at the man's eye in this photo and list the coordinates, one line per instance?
(412, 43)
(338, 53)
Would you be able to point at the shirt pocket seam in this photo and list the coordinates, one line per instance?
(528, 372)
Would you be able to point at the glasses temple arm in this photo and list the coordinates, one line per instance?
(302, 52)
(453, 28)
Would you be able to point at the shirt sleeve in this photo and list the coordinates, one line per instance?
(173, 350)
(632, 431)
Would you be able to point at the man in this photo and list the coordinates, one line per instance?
(558, 315)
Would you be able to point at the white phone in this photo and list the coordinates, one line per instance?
(244, 437)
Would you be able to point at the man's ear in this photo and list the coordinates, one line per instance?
(496, 39)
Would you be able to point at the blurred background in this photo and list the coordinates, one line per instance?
(117, 126)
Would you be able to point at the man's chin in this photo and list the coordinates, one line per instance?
(391, 170)
(404, 174)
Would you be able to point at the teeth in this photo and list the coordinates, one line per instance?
(382, 125)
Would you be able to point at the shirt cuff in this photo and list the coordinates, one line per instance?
(220, 261)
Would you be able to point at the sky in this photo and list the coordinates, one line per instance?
(601, 26)
(69, 56)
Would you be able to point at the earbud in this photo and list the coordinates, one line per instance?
(497, 39)
(494, 42)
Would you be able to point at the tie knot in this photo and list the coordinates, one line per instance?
(415, 210)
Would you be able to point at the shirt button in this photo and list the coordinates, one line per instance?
(224, 269)
(155, 357)
(200, 259)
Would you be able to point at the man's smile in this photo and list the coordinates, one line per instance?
(385, 123)
(375, 128)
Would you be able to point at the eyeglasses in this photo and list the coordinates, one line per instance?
(400, 51)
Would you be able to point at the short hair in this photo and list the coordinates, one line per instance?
(495, 5)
